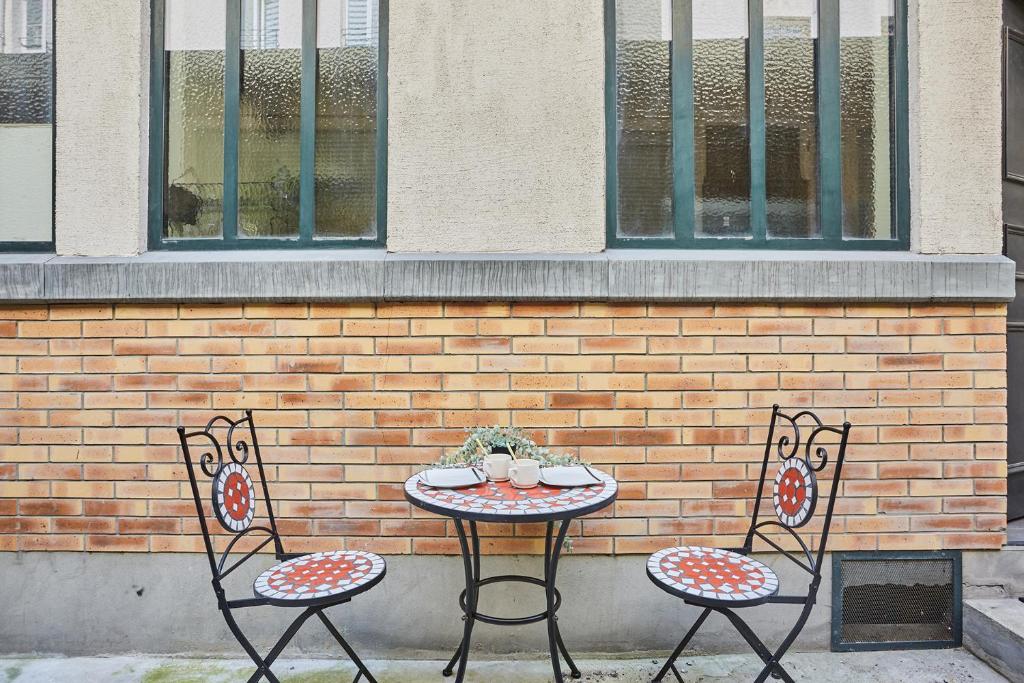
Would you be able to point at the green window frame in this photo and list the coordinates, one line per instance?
(230, 237)
(36, 27)
(829, 150)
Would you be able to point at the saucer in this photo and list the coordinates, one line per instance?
(497, 480)
(530, 486)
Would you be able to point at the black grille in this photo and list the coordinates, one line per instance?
(895, 600)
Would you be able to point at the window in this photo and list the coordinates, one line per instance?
(26, 125)
(268, 124)
(757, 123)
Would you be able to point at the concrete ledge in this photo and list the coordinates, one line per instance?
(619, 275)
(21, 276)
(994, 632)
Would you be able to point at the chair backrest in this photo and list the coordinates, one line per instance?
(232, 494)
(793, 440)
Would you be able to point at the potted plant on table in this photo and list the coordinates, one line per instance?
(483, 441)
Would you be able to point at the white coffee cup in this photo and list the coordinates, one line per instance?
(496, 466)
(524, 472)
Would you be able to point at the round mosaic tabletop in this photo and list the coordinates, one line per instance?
(712, 576)
(320, 577)
(502, 502)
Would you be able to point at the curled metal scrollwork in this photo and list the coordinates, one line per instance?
(207, 458)
(212, 458)
(820, 451)
(788, 448)
(240, 445)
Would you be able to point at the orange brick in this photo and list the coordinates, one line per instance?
(538, 345)
(647, 326)
(887, 345)
(600, 345)
(511, 363)
(975, 326)
(697, 327)
(582, 327)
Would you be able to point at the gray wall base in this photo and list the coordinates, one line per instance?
(107, 603)
(82, 603)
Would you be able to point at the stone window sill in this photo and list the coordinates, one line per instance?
(617, 275)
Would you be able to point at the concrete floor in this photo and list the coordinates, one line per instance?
(930, 666)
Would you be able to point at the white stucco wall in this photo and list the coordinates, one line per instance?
(102, 126)
(956, 126)
(496, 126)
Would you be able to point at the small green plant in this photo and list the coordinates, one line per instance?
(482, 440)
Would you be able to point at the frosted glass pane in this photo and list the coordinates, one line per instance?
(644, 118)
(26, 121)
(866, 62)
(721, 129)
(194, 39)
(346, 119)
(269, 124)
(791, 130)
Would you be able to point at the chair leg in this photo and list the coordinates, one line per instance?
(670, 665)
(363, 671)
(787, 642)
(771, 660)
(262, 668)
(263, 664)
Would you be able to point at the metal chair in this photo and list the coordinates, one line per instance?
(725, 580)
(311, 582)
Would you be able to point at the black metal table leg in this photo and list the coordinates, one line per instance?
(555, 644)
(469, 600)
(471, 565)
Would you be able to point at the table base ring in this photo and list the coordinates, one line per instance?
(511, 621)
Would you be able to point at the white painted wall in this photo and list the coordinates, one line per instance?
(956, 126)
(102, 126)
(496, 126)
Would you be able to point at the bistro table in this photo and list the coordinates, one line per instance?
(503, 503)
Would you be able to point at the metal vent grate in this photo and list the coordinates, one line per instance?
(885, 600)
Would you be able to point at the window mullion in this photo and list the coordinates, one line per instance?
(381, 173)
(755, 66)
(830, 122)
(683, 172)
(611, 148)
(901, 79)
(232, 95)
(307, 125)
(157, 124)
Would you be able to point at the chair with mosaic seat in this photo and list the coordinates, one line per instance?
(312, 582)
(725, 581)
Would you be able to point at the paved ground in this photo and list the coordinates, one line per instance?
(932, 666)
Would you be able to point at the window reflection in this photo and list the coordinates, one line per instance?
(866, 48)
(791, 117)
(26, 121)
(270, 115)
(194, 39)
(721, 131)
(346, 118)
(644, 118)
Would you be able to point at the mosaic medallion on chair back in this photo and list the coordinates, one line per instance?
(234, 499)
(795, 492)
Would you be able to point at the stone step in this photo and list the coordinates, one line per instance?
(994, 632)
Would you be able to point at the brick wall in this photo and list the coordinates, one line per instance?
(352, 398)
